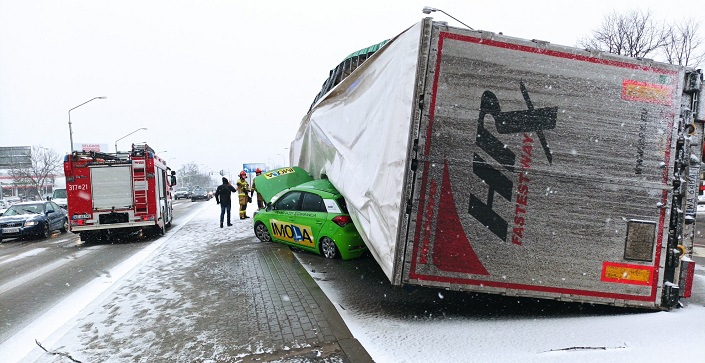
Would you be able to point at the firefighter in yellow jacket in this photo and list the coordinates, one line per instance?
(242, 190)
(260, 198)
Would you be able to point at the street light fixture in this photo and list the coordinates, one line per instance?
(70, 130)
(141, 128)
(429, 10)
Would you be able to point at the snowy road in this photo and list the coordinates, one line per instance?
(393, 324)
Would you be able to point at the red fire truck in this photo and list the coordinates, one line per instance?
(118, 194)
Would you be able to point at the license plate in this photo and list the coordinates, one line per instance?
(10, 230)
(81, 216)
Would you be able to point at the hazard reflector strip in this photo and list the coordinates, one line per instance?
(626, 273)
(646, 92)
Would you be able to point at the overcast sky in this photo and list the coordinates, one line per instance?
(221, 83)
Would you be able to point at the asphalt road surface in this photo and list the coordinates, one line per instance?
(36, 274)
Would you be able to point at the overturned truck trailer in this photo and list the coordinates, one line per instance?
(479, 162)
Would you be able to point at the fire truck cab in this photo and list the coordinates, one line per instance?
(118, 194)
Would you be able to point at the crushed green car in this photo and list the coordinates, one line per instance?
(305, 213)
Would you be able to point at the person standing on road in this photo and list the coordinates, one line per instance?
(243, 188)
(260, 198)
(222, 197)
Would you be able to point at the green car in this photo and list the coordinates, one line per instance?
(305, 213)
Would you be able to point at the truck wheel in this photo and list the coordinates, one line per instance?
(65, 227)
(262, 233)
(328, 248)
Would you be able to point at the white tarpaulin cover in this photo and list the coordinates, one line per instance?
(357, 135)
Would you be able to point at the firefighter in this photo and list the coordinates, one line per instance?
(260, 198)
(242, 190)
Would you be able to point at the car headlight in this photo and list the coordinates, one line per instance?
(30, 223)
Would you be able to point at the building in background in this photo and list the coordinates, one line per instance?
(19, 157)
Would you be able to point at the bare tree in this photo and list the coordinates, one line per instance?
(634, 34)
(46, 163)
(192, 175)
(684, 43)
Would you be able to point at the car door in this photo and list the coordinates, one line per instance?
(59, 213)
(312, 214)
(51, 215)
(284, 224)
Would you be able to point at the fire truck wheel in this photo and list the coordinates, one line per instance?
(65, 227)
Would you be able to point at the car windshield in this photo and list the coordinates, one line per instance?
(59, 193)
(24, 209)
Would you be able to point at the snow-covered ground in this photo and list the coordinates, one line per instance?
(390, 323)
(138, 304)
(519, 332)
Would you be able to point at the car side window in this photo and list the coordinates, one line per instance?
(54, 205)
(312, 203)
(48, 208)
(290, 201)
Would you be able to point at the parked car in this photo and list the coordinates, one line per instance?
(200, 194)
(3, 206)
(182, 193)
(33, 219)
(307, 214)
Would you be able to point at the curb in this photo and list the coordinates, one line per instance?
(352, 348)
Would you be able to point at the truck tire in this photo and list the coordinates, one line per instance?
(328, 248)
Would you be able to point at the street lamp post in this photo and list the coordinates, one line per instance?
(429, 10)
(70, 130)
(141, 128)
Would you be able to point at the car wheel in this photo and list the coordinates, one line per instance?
(65, 226)
(328, 248)
(262, 233)
(45, 231)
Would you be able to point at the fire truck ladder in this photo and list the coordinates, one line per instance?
(139, 184)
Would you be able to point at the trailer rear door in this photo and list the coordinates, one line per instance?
(544, 171)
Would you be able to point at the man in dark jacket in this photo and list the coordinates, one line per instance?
(222, 197)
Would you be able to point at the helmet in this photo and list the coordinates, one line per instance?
(243, 174)
(258, 170)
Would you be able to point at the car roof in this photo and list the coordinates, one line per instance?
(322, 187)
(31, 202)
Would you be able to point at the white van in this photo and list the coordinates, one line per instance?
(59, 197)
